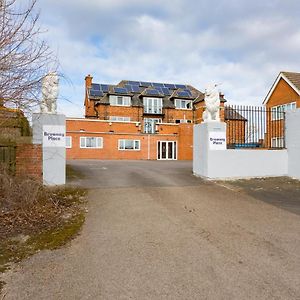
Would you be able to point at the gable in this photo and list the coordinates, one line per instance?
(282, 90)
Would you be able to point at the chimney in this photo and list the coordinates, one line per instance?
(88, 81)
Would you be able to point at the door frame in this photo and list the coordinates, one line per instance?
(174, 147)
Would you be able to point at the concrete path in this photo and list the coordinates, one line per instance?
(153, 231)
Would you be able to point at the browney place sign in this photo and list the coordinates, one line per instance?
(217, 140)
(54, 136)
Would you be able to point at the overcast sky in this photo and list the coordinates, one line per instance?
(240, 44)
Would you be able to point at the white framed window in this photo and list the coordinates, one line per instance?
(129, 145)
(277, 142)
(119, 119)
(183, 121)
(150, 124)
(183, 104)
(119, 100)
(277, 111)
(68, 142)
(91, 142)
(153, 105)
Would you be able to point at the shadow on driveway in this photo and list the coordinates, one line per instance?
(282, 192)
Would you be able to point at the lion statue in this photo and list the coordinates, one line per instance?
(49, 93)
(212, 104)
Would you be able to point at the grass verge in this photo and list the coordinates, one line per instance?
(47, 220)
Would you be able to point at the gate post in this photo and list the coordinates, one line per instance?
(50, 131)
(208, 137)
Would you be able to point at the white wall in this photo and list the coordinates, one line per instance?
(247, 163)
(232, 163)
(293, 142)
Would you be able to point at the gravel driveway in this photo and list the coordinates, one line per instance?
(154, 231)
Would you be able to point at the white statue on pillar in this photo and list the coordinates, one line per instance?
(212, 104)
(49, 93)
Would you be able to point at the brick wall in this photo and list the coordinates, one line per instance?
(29, 161)
(111, 132)
(282, 94)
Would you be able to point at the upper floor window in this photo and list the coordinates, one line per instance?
(153, 105)
(150, 124)
(119, 100)
(183, 121)
(183, 104)
(91, 142)
(278, 111)
(119, 119)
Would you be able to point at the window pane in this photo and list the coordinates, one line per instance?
(68, 141)
(98, 142)
(82, 142)
(137, 145)
(128, 144)
(120, 100)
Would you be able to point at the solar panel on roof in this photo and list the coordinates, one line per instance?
(166, 91)
(180, 86)
(133, 82)
(128, 88)
(183, 94)
(135, 88)
(155, 84)
(152, 92)
(96, 93)
(189, 92)
(145, 84)
(96, 86)
(159, 90)
(119, 90)
(104, 88)
(170, 86)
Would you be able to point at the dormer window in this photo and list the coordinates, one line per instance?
(183, 104)
(119, 100)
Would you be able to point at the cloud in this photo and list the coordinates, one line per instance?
(241, 44)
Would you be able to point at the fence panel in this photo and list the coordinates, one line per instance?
(254, 127)
(8, 157)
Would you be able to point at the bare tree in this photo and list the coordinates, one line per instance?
(25, 57)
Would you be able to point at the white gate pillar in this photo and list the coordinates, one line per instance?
(50, 131)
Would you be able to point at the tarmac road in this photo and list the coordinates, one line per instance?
(154, 231)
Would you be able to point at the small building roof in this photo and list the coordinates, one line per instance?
(231, 114)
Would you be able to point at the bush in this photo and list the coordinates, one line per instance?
(26, 206)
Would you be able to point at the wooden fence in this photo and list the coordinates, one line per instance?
(8, 158)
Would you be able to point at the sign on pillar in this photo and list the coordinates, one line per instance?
(54, 136)
(217, 140)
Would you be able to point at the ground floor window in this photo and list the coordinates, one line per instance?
(277, 142)
(91, 142)
(68, 142)
(129, 145)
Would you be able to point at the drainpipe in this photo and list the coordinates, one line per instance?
(148, 146)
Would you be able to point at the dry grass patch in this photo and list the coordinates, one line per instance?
(34, 217)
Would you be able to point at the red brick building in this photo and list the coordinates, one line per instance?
(283, 96)
(136, 120)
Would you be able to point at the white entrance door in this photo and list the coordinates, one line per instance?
(166, 150)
